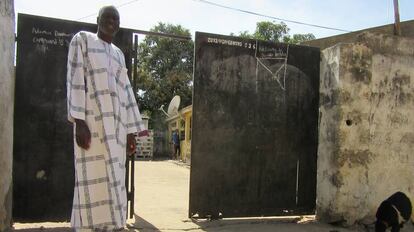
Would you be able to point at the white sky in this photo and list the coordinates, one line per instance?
(194, 15)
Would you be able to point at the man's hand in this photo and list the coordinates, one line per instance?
(131, 144)
(143, 133)
(82, 134)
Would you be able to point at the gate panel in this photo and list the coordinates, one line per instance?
(255, 116)
(43, 170)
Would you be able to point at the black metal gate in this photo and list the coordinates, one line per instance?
(255, 120)
(43, 170)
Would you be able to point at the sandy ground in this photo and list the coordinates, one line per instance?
(161, 204)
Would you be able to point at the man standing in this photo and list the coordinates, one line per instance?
(105, 115)
(176, 144)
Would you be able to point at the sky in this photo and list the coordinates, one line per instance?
(196, 15)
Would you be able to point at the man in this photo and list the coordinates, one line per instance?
(105, 115)
(176, 144)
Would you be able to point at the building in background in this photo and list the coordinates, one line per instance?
(181, 121)
(145, 145)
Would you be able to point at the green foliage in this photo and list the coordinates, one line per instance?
(165, 69)
(299, 38)
(270, 31)
(246, 35)
(275, 32)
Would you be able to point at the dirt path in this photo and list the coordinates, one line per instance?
(161, 204)
(162, 193)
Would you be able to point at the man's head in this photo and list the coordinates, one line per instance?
(108, 23)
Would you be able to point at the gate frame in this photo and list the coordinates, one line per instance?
(215, 205)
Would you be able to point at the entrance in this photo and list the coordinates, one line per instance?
(254, 125)
(255, 128)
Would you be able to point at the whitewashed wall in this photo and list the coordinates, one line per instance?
(366, 138)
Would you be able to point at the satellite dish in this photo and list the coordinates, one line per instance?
(174, 104)
(172, 107)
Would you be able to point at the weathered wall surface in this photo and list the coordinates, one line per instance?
(366, 136)
(6, 112)
(407, 30)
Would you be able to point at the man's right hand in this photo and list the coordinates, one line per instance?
(82, 134)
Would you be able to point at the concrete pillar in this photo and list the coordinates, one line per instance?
(6, 111)
(366, 135)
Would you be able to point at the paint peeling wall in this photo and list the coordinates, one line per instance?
(6, 112)
(366, 136)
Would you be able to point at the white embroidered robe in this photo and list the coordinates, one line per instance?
(99, 92)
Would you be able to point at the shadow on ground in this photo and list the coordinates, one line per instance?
(50, 227)
(142, 224)
(210, 225)
(42, 229)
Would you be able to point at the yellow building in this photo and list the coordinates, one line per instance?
(181, 122)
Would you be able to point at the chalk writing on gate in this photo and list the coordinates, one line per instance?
(56, 38)
(248, 45)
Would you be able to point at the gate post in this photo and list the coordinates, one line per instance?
(6, 114)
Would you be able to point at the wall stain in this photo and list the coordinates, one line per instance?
(329, 77)
(408, 138)
(329, 99)
(375, 99)
(331, 215)
(400, 80)
(384, 44)
(360, 65)
(397, 89)
(346, 97)
(332, 131)
(354, 158)
(397, 119)
(337, 179)
(364, 136)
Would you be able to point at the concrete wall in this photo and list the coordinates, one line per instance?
(6, 112)
(407, 30)
(366, 136)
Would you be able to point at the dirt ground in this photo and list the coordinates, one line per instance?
(161, 204)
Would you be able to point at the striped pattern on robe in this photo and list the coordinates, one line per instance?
(111, 113)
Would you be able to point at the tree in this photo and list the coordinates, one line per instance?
(244, 35)
(165, 69)
(299, 38)
(271, 31)
(275, 32)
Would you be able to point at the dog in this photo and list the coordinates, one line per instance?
(393, 212)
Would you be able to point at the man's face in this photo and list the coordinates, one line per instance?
(108, 21)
